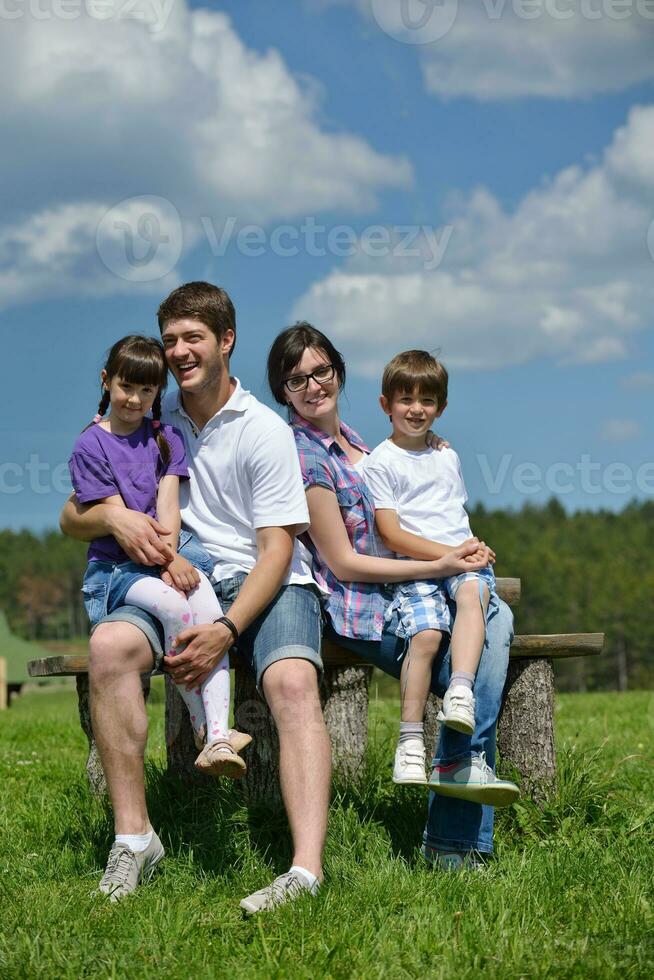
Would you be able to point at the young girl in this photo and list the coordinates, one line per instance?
(131, 460)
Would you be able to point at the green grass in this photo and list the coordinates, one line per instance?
(570, 894)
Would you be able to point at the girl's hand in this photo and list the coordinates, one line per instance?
(468, 557)
(182, 575)
(434, 441)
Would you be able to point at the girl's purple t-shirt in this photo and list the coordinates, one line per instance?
(103, 464)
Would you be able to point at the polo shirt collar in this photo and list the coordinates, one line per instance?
(328, 441)
(238, 402)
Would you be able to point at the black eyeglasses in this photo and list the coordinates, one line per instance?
(299, 382)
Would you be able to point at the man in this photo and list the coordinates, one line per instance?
(245, 502)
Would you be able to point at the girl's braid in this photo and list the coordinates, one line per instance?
(162, 442)
(103, 404)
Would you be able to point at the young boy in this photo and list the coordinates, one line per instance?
(419, 497)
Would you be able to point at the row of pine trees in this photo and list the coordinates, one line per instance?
(582, 572)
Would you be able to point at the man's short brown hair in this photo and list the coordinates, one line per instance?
(415, 369)
(200, 301)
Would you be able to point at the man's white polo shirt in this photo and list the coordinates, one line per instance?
(245, 474)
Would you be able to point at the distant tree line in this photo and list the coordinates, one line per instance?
(582, 572)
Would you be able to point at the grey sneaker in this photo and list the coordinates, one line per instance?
(454, 860)
(283, 889)
(126, 870)
(472, 779)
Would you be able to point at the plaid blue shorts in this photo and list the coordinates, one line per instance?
(426, 604)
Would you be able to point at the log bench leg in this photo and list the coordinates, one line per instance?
(525, 731)
(261, 781)
(94, 771)
(251, 714)
(181, 752)
(432, 727)
(344, 698)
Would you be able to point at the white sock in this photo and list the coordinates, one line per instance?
(135, 842)
(411, 729)
(462, 678)
(312, 882)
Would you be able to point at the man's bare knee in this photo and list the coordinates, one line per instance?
(291, 690)
(118, 648)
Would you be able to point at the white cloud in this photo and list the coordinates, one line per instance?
(567, 275)
(84, 248)
(620, 430)
(505, 49)
(101, 111)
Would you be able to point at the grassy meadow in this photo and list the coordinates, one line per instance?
(570, 893)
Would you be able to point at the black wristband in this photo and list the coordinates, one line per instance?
(230, 626)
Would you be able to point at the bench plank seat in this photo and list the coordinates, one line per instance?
(554, 645)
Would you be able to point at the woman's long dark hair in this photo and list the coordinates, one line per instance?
(288, 348)
(138, 360)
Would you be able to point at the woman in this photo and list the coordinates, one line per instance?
(306, 373)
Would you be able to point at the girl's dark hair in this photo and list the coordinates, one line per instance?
(288, 348)
(141, 361)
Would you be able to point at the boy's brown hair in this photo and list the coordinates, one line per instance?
(415, 369)
(200, 301)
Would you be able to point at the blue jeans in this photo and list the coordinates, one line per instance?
(454, 825)
(107, 583)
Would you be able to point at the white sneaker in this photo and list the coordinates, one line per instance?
(410, 762)
(458, 709)
(283, 889)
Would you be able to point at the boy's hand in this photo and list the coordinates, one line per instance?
(434, 441)
(181, 575)
(483, 553)
(470, 556)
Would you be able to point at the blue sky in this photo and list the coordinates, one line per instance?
(517, 153)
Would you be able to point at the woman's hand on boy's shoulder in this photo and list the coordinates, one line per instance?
(434, 441)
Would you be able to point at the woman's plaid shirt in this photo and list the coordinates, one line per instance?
(354, 609)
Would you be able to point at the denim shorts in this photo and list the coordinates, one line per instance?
(106, 584)
(289, 628)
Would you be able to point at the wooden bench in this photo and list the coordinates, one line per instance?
(525, 728)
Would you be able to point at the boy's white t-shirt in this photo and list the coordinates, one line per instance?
(426, 489)
(244, 474)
